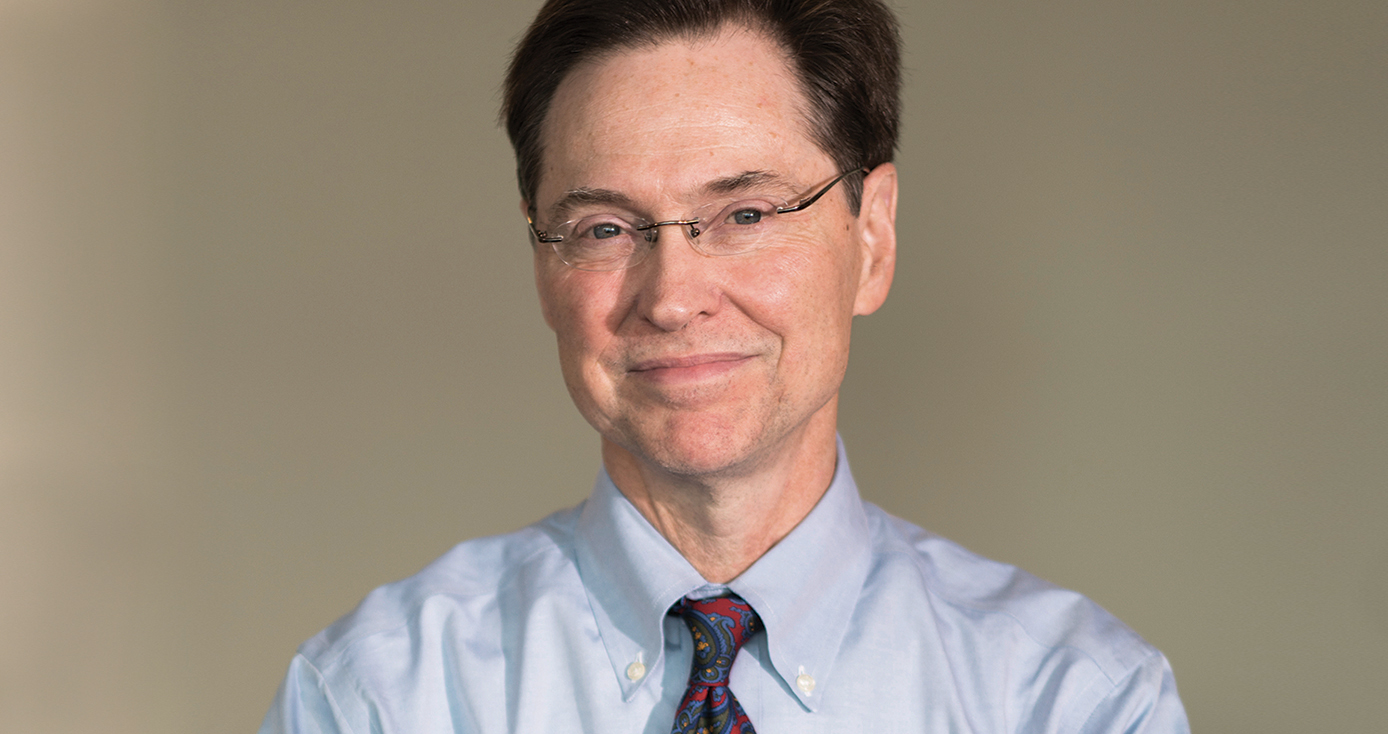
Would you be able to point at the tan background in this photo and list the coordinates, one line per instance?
(268, 337)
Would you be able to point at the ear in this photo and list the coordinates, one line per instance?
(525, 214)
(539, 267)
(877, 235)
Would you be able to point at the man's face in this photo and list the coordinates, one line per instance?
(704, 365)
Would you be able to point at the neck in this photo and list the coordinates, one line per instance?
(723, 522)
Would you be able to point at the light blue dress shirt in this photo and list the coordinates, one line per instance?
(872, 625)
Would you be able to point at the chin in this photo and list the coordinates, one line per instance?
(697, 446)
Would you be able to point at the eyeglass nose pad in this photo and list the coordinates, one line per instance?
(652, 230)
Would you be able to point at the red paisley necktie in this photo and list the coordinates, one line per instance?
(720, 625)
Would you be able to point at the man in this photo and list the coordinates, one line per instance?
(711, 202)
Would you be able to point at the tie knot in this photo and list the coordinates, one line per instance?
(720, 626)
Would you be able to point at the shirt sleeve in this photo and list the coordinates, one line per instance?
(303, 704)
(1145, 702)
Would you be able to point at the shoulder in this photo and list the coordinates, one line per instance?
(433, 644)
(466, 588)
(967, 584)
(393, 661)
(1055, 653)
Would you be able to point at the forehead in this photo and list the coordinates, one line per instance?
(677, 114)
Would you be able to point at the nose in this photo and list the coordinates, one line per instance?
(676, 284)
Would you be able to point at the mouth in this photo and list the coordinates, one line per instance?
(688, 368)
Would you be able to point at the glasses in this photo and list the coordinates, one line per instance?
(616, 242)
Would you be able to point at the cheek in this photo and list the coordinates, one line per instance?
(800, 292)
(579, 307)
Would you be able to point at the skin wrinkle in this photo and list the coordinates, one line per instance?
(723, 458)
(575, 200)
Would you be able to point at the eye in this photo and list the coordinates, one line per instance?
(605, 230)
(745, 216)
(600, 230)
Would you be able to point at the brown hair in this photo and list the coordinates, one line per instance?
(845, 53)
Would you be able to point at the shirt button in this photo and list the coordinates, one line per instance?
(637, 670)
(804, 682)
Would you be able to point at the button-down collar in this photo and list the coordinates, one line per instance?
(804, 588)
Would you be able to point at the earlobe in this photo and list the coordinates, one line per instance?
(877, 230)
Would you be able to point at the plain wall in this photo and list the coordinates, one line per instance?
(268, 335)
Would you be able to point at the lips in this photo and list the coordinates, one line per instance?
(682, 362)
(685, 368)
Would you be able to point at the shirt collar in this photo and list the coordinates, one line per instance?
(804, 588)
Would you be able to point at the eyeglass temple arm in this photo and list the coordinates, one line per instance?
(806, 202)
(541, 235)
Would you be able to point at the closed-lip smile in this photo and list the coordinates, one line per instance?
(688, 367)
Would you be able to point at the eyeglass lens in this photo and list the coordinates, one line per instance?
(613, 242)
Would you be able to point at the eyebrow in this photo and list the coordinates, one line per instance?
(745, 181)
(575, 198)
(585, 196)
